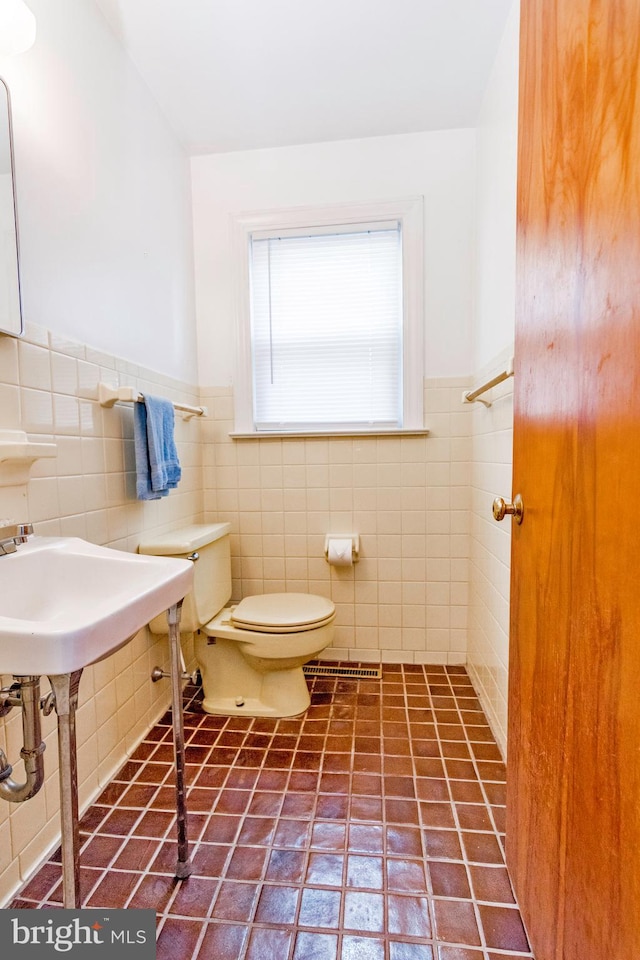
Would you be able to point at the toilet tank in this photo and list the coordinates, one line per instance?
(211, 574)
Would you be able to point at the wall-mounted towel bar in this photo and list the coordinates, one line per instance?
(471, 396)
(108, 395)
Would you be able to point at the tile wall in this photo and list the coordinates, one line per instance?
(491, 468)
(407, 498)
(410, 499)
(47, 388)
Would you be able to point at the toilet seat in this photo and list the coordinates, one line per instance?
(283, 613)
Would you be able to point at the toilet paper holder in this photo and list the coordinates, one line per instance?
(355, 544)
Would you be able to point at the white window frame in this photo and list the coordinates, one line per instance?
(409, 212)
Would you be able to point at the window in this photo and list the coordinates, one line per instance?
(331, 326)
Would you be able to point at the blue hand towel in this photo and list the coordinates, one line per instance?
(157, 465)
(163, 456)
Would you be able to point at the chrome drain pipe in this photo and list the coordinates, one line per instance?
(25, 693)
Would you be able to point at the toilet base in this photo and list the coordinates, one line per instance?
(226, 707)
(232, 688)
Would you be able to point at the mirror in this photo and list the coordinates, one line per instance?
(10, 308)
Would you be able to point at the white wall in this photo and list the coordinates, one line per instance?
(440, 166)
(497, 138)
(492, 429)
(104, 208)
(103, 195)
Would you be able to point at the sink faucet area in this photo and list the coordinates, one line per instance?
(12, 534)
(66, 603)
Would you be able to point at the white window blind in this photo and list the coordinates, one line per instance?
(326, 328)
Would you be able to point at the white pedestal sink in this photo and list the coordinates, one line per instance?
(64, 604)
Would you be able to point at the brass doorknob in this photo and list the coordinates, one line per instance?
(501, 508)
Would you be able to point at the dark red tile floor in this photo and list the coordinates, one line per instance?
(370, 828)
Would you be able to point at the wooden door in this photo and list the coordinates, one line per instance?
(573, 798)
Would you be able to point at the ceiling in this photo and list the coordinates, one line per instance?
(244, 74)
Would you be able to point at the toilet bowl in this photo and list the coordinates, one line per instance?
(250, 654)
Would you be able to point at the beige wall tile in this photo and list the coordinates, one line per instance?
(395, 492)
(8, 366)
(84, 491)
(484, 607)
(34, 366)
(9, 406)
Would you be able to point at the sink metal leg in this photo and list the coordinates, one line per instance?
(183, 866)
(65, 688)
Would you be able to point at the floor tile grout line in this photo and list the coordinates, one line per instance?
(195, 845)
(99, 879)
(482, 782)
(109, 866)
(124, 838)
(432, 902)
(428, 883)
(268, 847)
(390, 765)
(307, 855)
(345, 853)
(498, 834)
(456, 818)
(383, 819)
(214, 810)
(475, 901)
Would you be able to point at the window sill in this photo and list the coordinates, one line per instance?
(324, 434)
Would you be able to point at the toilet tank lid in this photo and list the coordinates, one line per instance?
(184, 539)
(281, 612)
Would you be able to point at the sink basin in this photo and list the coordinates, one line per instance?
(65, 603)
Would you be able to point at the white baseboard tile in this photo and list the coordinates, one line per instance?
(436, 657)
(366, 656)
(457, 659)
(335, 653)
(395, 656)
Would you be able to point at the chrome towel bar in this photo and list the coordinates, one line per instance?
(471, 396)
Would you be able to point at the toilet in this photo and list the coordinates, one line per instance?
(250, 654)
